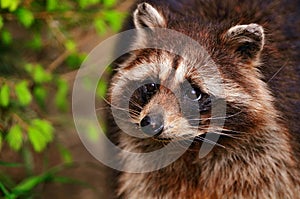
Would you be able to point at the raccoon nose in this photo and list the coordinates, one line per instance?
(152, 125)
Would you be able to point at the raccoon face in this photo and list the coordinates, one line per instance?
(169, 96)
(161, 107)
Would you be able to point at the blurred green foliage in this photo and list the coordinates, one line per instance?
(33, 81)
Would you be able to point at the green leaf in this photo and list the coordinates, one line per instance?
(109, 69)
(40, 133)
(75, 60)
(1, 22)
(4, 95)
(61, 95)
(14, 137)
(40, 94)
(22, 92)
(100, 26)
(109, 3)
(29, 68)
(45, 128)
(10, 164)
(6, 179)
(36, 42)
(114, 19)
(93, 133)
(25, 17)
(101, 88)
(70, 45)
(64, 180)
(29, 184)
(12, 5)
(5, 3)
(6, 37)
(37, 139)
(51, 5)
(40, 75)
(85, 3)
(4, 190)
(66, 155)
(103, 126)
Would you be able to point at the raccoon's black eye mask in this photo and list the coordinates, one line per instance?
(147, 91)
(194, 97)
(191, 95)
(142, 95)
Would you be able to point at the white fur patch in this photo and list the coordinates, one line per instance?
(180, 73)
(252, 28)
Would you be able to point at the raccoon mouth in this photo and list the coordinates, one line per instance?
(161, 139)
(198, 138)
(164, 136)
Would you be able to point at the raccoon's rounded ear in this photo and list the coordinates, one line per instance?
(146, 16)
(246, 40)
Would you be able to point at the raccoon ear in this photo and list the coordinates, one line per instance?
(246, 40)
(146, 16)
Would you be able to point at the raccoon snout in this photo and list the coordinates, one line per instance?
(152, 125)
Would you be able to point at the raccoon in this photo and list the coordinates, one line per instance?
(254, 46)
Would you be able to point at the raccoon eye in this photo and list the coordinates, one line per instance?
(151, 87)
(148, 90)
(193, 93)
(141, 96)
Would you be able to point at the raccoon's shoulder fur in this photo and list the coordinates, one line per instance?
(255, 47)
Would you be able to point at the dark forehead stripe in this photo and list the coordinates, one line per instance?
(142, 56)
(176, 61)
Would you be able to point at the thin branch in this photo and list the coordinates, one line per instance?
(58, 61)
(20, 121)
(69, 75)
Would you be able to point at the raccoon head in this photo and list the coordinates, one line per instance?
(170, 96)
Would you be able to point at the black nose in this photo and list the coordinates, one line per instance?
(152, 124)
